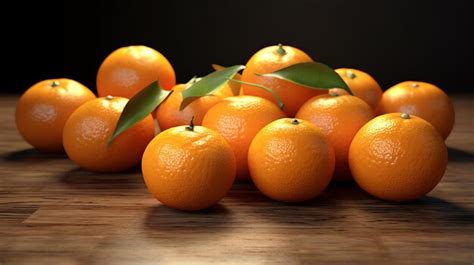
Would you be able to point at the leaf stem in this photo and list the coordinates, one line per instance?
(281, 51)
(275, 95)
(190, 127)
(350, 74)
(295, 122)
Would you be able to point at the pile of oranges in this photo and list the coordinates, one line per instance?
(390, 143)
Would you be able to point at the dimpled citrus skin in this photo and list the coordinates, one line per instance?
(268, 60)
(188, 170)
(339, 118)
(398, 159)
(238, 119)
(361, 84)
(128, 70)
(169, 115)
(424, 100)
(89, 128)
(291, 162)
(44, 108)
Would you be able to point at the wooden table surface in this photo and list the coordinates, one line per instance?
(52, 212)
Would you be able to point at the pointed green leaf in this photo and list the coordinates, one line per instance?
(208, 84)
(311, 74)
(139, 106)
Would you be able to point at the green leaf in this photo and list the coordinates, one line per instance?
(311, 74)
(208, 84)
(139, 106)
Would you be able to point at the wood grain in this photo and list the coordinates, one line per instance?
(52, 212)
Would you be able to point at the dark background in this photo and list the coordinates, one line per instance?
(392, 40)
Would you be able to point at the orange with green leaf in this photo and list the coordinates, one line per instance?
(88, 130)
(312, 75)
(271, 59)
(169, 114)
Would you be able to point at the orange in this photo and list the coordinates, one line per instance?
(398, 157)
(169, 115)
(238, 119)
(89, 128)
(128, 70)
(271, 59)
(361, 84)
(290, 160)
(423, 100)
(188, 167)
(44, 108)
(339, 117)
